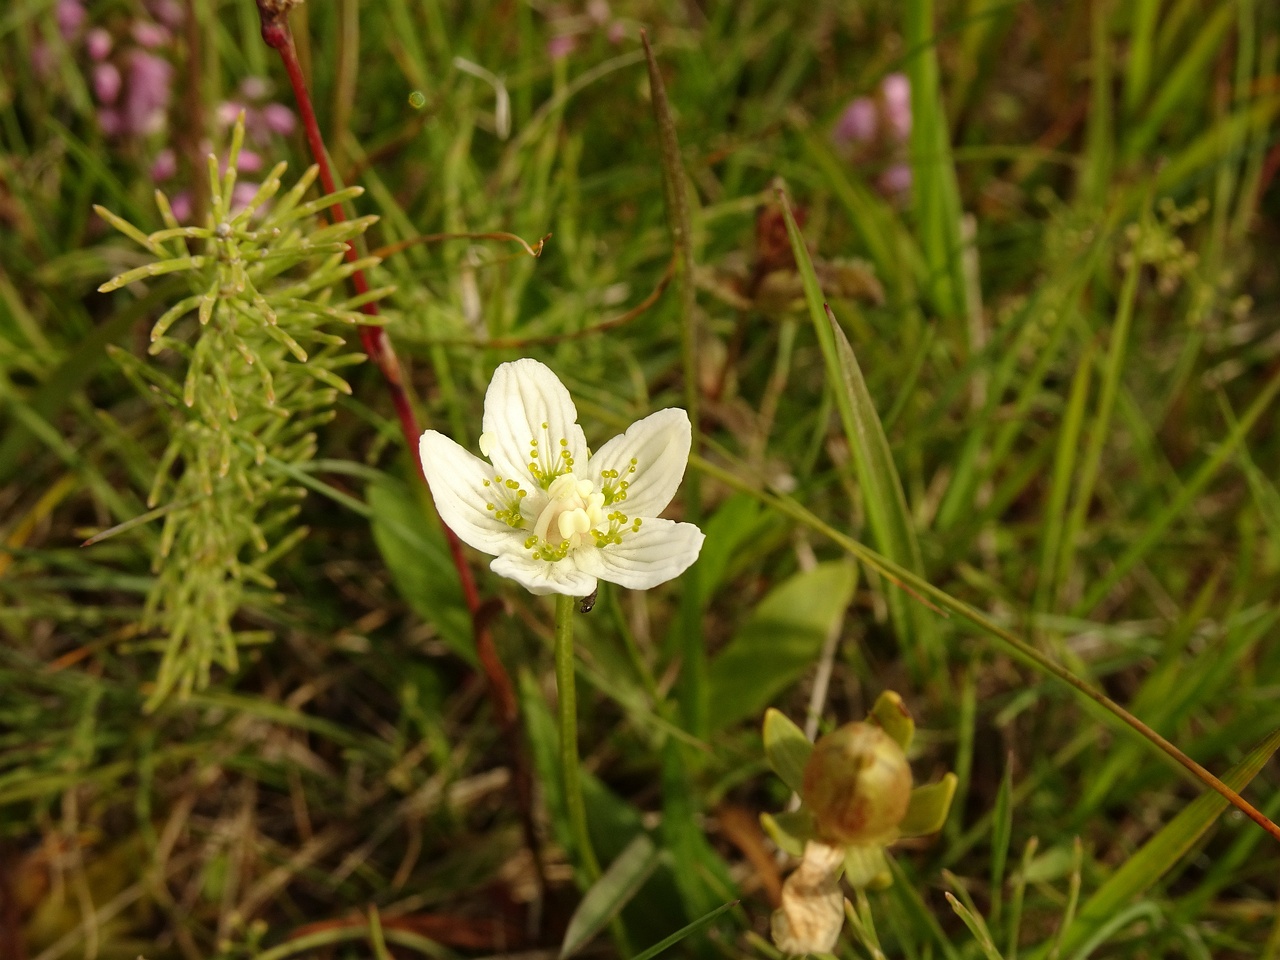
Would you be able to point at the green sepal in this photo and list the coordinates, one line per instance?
(790, 831)
(867, 868)
(893, 717)
(927, 811)
(786, 748)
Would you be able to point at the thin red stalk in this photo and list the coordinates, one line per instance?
(275, 32)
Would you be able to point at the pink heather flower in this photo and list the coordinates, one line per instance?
(106, 82)
(227, 111)
(146, 100)
(181, 206)
(858, 123)
(896, 90)
(164, 166)
(255, 88)
(560, 47)
(168, 12)
(111, 122)
(70, 15)
(617, 32)
(896, 179)
(598, 10)
(241, 194)
(150, 35)
(278, 119)
(98, 43)
(41, 58)
(249, 162)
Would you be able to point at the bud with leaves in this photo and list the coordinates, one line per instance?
(857, 798)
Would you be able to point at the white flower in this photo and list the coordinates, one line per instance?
(554, 516)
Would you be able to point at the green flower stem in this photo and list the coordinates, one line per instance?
(569, 763)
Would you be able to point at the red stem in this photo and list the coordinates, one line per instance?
(275, 32)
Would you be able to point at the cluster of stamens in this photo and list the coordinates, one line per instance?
(613, 488)
(508, 494)
(619, 524)
(557, 464)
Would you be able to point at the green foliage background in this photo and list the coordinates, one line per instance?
(1066, 331)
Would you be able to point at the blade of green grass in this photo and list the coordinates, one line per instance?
(1162, 851)
(683, 932)
(1013, 644)
(1191, 70)
(1156, 528)
(935, 193)
(608, 895)
(882, 493)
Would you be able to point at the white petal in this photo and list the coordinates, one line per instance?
(541, 577)
(659, 551)
(456, 479)
(660, 446)
(522, 396)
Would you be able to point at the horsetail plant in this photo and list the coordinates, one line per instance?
(257, 372)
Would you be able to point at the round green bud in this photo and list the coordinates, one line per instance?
(857, 785)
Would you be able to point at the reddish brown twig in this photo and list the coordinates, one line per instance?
(275, 32)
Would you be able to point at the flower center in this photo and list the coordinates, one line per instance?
(573, 509)
(574, 516)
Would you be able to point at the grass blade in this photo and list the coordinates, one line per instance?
(607, 896)
(1162, 851)
(683, 932)
(882, 493)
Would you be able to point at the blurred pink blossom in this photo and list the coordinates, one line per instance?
(41, 58)
(146, 101)
(97, 43)
(262, 121)
(598, 10)
(180, 204)
(858, 123)
(561, 46)
(149, 35)
(70, 15)
(168, 12)
(255, 88)
(106, 82)
(279, 119)
(241, 194)
(165, 165)
(249, 162)
(896, 90)
(896, 179)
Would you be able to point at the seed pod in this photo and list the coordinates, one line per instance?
(857, 784)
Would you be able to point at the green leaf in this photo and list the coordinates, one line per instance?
(928, 808)
(607, 896)
(893, 717)
(780, 641)
(886, 504)
(736, 522)
(786, 748)
(867, 867)
(683, 932)
(1161, 852)
(790, 831)
(412, 545)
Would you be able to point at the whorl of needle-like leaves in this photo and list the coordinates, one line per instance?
(257, 373)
